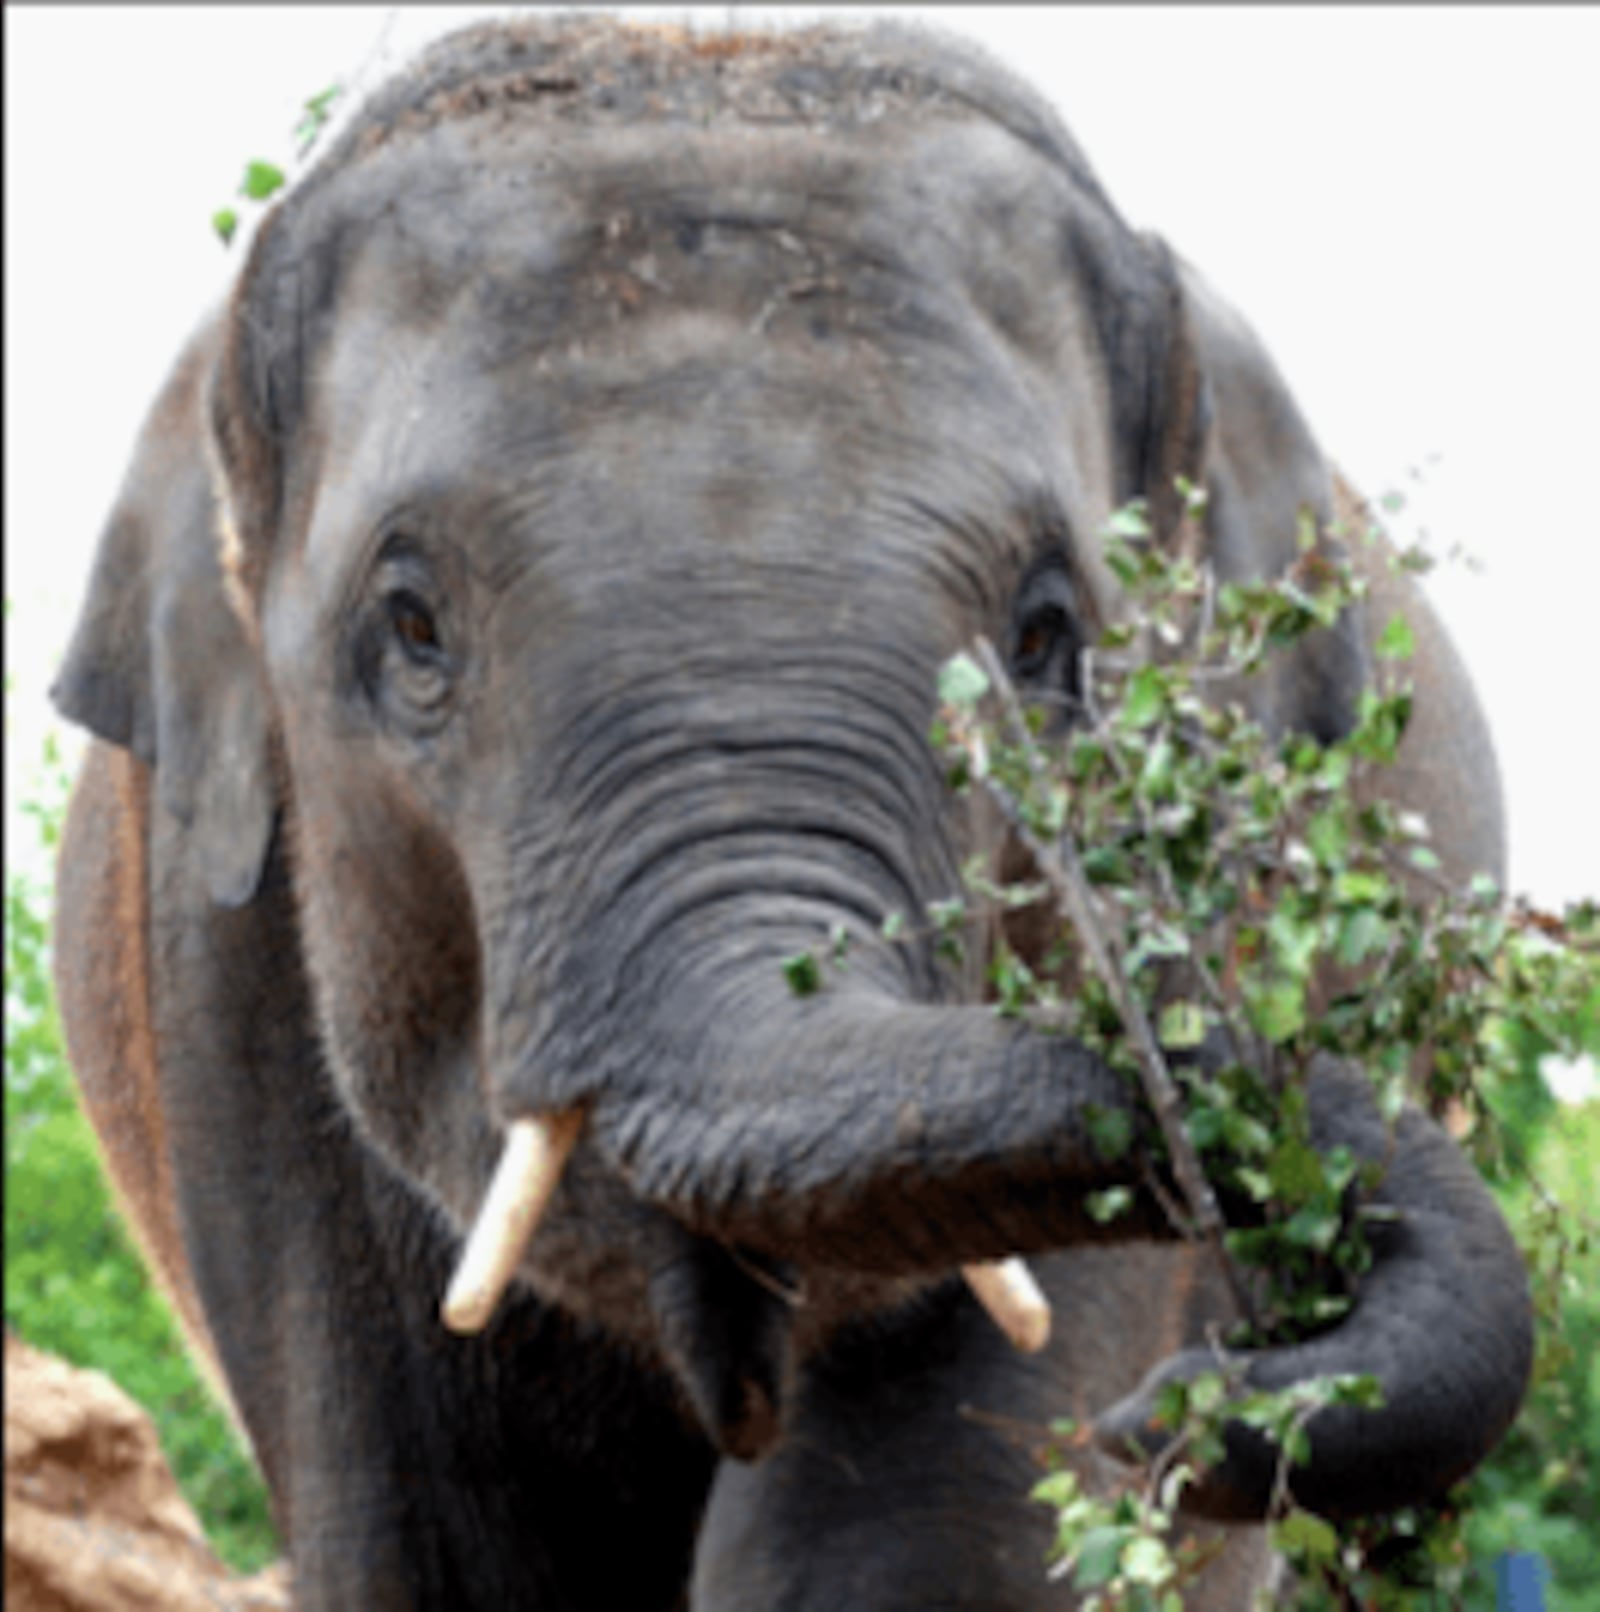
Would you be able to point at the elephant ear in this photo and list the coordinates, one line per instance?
(1224, 419)
(160, 662)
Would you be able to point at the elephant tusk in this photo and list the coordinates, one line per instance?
(1007, 1290)
(536, 1152)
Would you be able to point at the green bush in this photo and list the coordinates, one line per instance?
(1540, 1491)
(74, 1285)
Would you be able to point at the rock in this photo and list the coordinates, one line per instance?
(94, 1518)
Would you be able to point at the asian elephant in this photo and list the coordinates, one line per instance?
(516, 636)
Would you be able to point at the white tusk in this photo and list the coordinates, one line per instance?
(535, 1154)
(1014, 1301)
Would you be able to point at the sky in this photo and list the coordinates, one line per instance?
(1401, 200)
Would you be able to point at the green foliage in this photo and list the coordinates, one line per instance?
(1213, 881)
(74, 1285)
(263, 180)
(804, 973)
(1541, 1489)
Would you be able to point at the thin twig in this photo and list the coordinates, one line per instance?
(1062, 869)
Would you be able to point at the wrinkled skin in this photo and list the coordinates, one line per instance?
(516, 635)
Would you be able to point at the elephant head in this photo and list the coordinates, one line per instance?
(548, 552)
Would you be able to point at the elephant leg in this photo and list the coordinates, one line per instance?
(903, 1480)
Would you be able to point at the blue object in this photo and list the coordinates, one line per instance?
(1519, 1581)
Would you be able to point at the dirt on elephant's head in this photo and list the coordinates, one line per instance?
(94, 1518)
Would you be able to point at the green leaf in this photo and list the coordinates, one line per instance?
(1156, 776)
(1145, 698)
(1308, 1534)
(1106, 1205)
(1171, 1409)
(1099, 1556)
(894, 926)
(1355, 886)
(1328, 835)
(1277, 1010)
(1361, 934)
(1256, 1182)
(1159, 940)
(1182, 1024)
(947, 914)
(1396, 641)
(1207, 1392)
(317, 110)
(1295, 1171)
(1147, 1561)
(225, 221)
(803, 973)
(1334, 772)
(1110, 1129)
(1313, 1228)
(1363, 1391)
(262, 180)
(1058, 1489)
(962, 681)
(1130, 521)
(1295, 939)
(1383, 722)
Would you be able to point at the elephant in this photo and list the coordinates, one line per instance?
(517, 635)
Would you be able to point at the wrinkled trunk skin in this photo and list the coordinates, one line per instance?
(857, 1131)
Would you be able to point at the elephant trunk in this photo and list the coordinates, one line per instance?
(1443, 1321)
(854, 1130)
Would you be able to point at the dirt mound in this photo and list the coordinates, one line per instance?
(94, 1519)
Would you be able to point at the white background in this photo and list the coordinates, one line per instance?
(1404, 202)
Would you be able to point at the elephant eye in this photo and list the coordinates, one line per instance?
(407, 642)
(404, 659)
(1040, 637)
(1045, 637)
(414, 626)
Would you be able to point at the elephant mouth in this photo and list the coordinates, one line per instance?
(536, 1152)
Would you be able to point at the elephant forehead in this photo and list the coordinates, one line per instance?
(944, 230)
(918, 283)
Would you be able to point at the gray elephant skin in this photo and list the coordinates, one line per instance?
(516, 635)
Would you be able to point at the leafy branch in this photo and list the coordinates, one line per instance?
(1062, 870)
(1213, 885)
